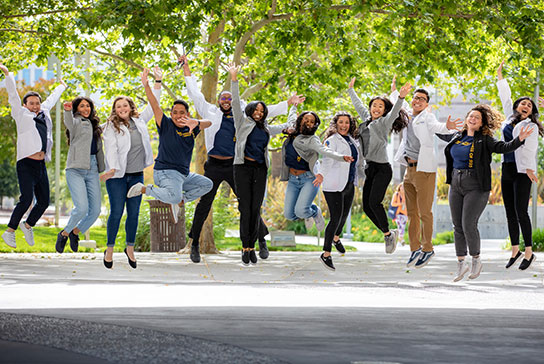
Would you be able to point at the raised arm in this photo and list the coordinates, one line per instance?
(318, 147)
(54, 97)
(237, 111)
(357, 103)
(291, 122)
(390, 118)
(13, 97)
(203, 108)
(499, 146)
(504, 92)
(394, 95)
(148, 112)
(68, 117)
(153, 102)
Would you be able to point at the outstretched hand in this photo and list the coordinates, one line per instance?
(404, 90)
(296, 99)
(348, 158)
(157, 73)
(188, 122)
(394, 84)
(525, 132)
(144, 78)
(499, 70)
(233, 70)
(540, 101)
(352, 82)
(456, 124)
(67, 106)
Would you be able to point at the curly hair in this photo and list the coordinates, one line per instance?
(533, 117)
(93, 118)
(298, 125)
(332, 129)
(116, 120)
(491, 119)
(400, 122)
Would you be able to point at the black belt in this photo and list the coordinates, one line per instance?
(412, 164)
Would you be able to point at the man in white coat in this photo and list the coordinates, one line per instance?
(416, 152)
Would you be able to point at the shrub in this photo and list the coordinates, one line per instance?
(445, 237)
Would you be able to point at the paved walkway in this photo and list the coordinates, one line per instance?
(284, 308)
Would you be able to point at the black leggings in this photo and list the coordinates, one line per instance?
(33, 182)
(516, 191)
(378, 176)
(339, 204)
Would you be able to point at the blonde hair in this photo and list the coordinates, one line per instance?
(116, 120)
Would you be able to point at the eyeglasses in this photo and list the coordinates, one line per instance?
(420, 98)
(226, 99)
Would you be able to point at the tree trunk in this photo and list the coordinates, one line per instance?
(209, 90)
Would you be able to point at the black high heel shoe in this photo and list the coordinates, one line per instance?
(132, 263)
(108, 265)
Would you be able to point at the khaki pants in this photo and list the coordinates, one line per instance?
(419, 193)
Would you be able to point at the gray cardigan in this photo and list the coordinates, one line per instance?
(307, 146)
(81, 136)
(244, 126)
(379, 129)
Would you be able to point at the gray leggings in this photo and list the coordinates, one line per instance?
(467, 202)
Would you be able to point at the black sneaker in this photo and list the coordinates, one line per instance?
(252, 256)
(61, 242)
(263, 249)
(338, 245)
(74, 241)
(195, 253)
(527, 263)
(245, 257)
(327, 262)
(514, 260)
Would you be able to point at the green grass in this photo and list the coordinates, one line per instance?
(45, 238)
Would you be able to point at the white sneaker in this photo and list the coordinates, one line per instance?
(9, 238)
(135, 190)
(476, 268)
(175, 212)
(29, 233)
(391, 241)
(309, 222)
(462, 269)
(319, 220)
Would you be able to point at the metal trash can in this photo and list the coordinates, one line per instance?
(165, 236)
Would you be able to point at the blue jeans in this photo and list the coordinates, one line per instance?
(173, 187)
(84, 186)
(117, 192)
(299, 195)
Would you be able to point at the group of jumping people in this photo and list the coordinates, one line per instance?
(236, 136)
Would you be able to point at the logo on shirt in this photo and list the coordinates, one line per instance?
(298, 158)
(184, 135)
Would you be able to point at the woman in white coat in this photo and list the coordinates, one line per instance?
(339, 179)
(128, 152)
(518, 169)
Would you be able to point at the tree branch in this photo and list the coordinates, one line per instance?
(132, 64)
(45, 13)
(23, 31)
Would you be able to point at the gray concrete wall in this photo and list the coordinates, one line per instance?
(492, 223)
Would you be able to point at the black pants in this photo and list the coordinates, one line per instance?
(250, 182)
(218, 170)
(516, 191)
(339, 204)
(33, 181)
(378, 176)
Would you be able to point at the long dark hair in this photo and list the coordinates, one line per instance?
(516, 117)
(250, 109)
(400, 122)
(491, 119)
(298, 125)
(93, 118)
(333, 129)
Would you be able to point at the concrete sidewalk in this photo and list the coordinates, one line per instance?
(286, 296)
